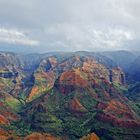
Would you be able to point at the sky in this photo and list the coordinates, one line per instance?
(69, 25)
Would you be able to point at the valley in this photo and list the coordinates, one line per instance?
(70, 96)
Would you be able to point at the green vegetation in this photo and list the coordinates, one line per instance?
(14, 104)
(120, 88)
(19, 127)
(90, 104)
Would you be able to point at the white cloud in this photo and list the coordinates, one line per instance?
(83, 37)
(110, 38)
(13, 36)
(73, 24)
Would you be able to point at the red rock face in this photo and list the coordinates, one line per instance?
(7, 115)
(119, 114)
(85, 74)
(6, 135)
(33, 93)
(71, 78)
(43, 82)
(91, 136)
(39, 136)
(73, 72)
(92, 66)
(3, 120)
(118, 76)
(102, 106)
(76, 106)
(70, 81)
(118, 122)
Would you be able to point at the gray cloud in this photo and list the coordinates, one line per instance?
(13, 36)
(71, 25)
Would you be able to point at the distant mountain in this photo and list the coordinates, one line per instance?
(134, 92)
(9, 60)
(134, 69)
(122, 58)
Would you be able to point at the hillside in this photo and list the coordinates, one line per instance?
(67, 96)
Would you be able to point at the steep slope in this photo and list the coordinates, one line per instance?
(122, 58)
(44, 78)
(133, 94)
(83, 99)
(51, 67)
(67, 96)
(134, 70)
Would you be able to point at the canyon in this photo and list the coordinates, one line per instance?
(70, 95)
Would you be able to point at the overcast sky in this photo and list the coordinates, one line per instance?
(69, 25)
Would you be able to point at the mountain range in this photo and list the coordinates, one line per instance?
(70, 96)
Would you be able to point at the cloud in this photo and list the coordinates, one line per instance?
(74, 24)
(110, 39)
(13, 36)
(81, 37)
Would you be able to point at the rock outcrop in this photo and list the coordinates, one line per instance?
(91, 136)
